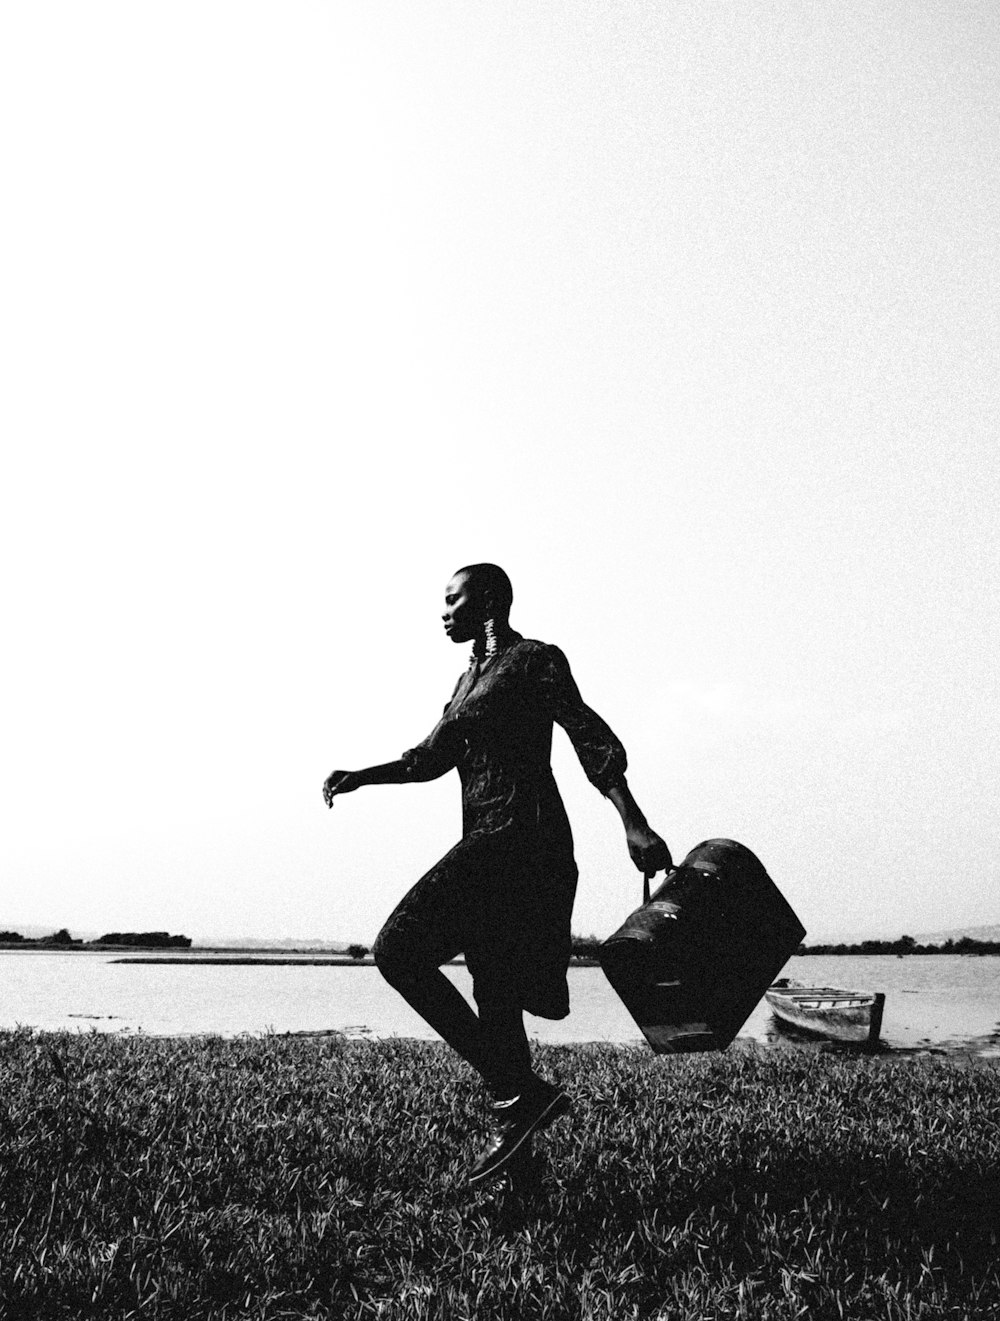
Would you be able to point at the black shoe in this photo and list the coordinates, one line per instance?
(517, 1120)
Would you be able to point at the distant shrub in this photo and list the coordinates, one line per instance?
(60, 937)
(586, 947)
(357, 951)
(10, 937)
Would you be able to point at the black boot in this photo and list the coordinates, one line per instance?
(516, 1120)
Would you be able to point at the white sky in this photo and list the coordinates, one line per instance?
(684, 313)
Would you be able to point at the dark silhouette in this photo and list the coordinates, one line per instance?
(144, 940)
(503, 895)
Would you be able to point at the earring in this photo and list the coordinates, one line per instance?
(490, 634)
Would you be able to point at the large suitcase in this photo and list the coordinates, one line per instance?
(694, 960)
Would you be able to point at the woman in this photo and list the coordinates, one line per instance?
(503, 896)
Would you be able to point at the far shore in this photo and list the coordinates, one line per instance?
(280, 955)
(248, 960)
(202, 955)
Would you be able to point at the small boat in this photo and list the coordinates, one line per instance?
(828, 1012)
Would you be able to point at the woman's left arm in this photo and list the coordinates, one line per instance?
(603, 759)
(645, 847)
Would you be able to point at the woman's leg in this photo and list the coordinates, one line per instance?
(447, 912)
(526, 1104)
(439, 918)
(502, 1021)
(438, 1001)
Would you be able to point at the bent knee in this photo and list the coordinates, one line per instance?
(398, 960)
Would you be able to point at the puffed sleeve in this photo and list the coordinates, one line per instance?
(431, 758)
(437, 753)
(601, 753)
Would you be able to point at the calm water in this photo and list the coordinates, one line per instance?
(943, 1001)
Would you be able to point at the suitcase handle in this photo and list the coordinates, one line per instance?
(648, 876)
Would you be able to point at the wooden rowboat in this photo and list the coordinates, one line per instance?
(827, 1011)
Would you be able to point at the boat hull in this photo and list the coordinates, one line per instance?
(827, 1012)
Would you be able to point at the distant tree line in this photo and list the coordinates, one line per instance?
(60, 937)
(144, 939)
(907, 945)
(588, 948)
(131, 939)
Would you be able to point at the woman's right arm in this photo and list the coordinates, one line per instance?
(345, 782)
(436, 755)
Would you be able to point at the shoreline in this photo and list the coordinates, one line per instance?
(963, 1054)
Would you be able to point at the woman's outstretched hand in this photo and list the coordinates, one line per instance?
(339, 782)
(647, 850)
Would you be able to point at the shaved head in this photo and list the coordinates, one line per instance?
(489, 582)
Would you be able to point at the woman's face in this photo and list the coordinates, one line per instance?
(463, 609)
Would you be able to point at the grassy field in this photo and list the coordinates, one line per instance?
(283, 1177)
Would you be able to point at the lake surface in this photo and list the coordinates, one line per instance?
(944, 1001)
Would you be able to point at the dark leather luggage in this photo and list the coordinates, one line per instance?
(694, 960)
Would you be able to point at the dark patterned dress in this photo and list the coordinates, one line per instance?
(504, 894)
